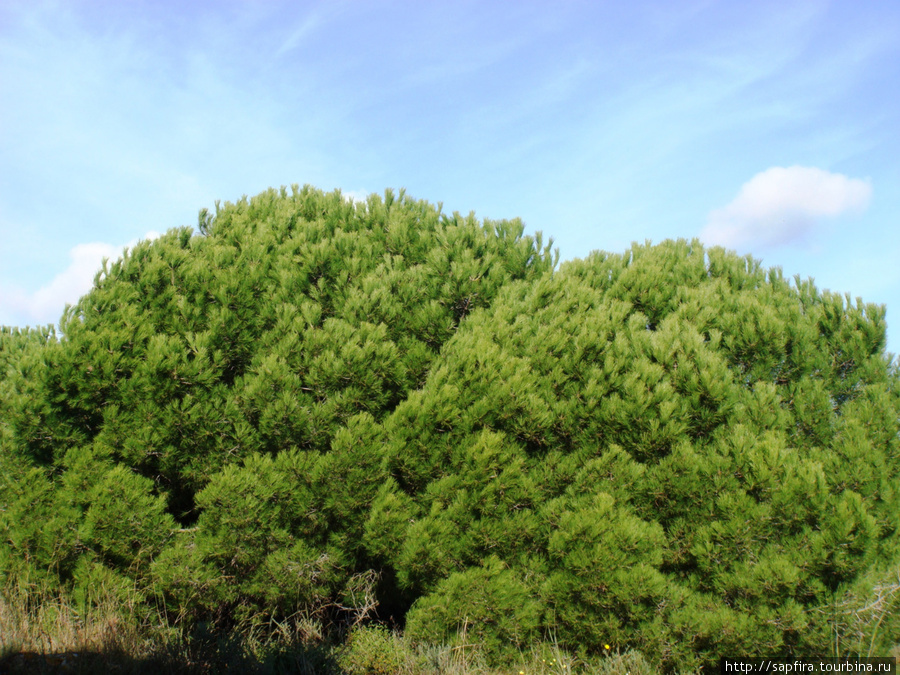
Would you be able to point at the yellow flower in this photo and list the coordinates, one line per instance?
(605, 646)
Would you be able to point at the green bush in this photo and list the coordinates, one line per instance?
(671, 450)
(490, 605)
(372, 651)
(683, 454)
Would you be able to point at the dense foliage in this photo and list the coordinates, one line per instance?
(314, 400)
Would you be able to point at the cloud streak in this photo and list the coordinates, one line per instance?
(784, 205)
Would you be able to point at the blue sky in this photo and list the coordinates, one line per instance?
(769, 127)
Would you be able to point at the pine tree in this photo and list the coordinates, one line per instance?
(270, 344)
(671, 449)
(691, 456)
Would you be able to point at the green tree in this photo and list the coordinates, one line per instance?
(234, 381)
(672, 449)
(693, 455)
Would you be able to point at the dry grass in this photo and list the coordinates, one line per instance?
(47, 633)
(43, 632)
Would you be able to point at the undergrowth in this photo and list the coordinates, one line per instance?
(48, 633)
(45, 632)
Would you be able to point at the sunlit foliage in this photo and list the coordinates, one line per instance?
(671, 449)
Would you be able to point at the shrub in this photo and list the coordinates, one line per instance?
(372, 651)
(232, 382)
(681, 452)
(670, 450)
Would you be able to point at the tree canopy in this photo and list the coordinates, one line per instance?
(671, 449)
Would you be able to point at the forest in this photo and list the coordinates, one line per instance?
(367, 421)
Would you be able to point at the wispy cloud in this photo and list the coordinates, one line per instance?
(47, 303)
(306, 27)
(784, 205)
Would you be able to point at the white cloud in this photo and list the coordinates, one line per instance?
(45, 305)
(355, 195)
(785, 205)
